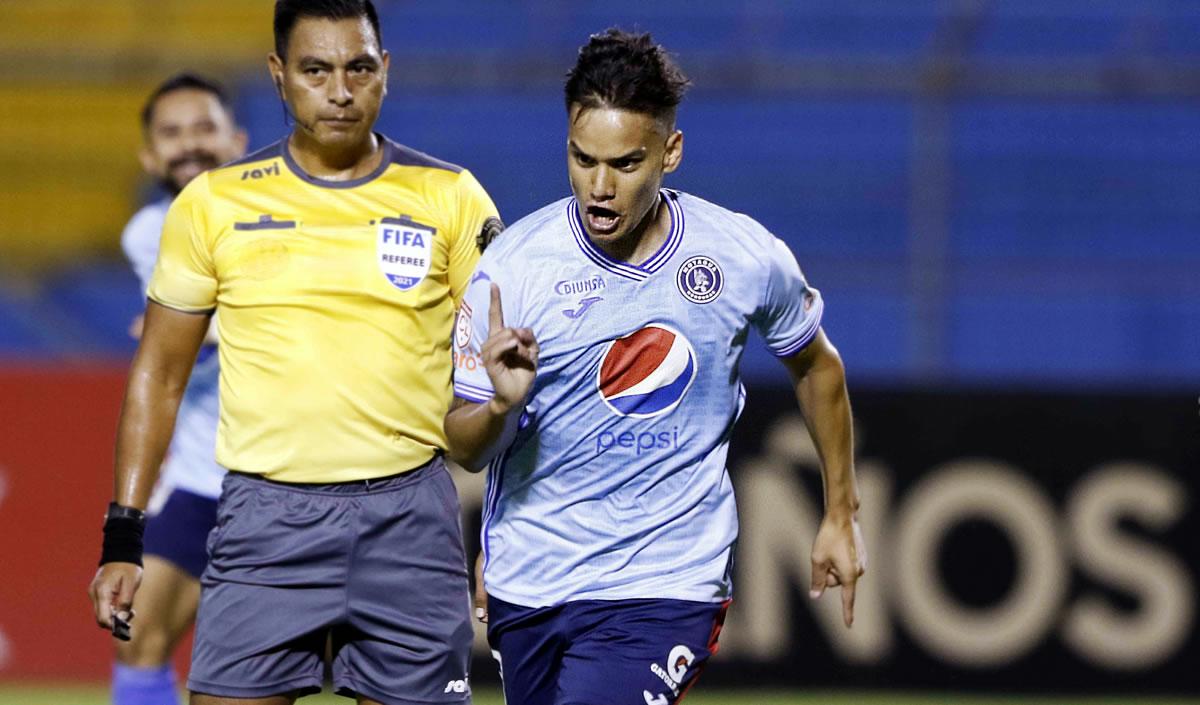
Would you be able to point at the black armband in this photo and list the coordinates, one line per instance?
(123, 529)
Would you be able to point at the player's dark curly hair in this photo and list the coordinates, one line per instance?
(288, 12)
(627, 71)
(184, 81)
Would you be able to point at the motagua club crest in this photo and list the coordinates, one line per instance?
(700, 279)
(404, 249)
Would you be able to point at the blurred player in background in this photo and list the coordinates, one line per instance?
(334, 260)
(188, 127)
(607, 331)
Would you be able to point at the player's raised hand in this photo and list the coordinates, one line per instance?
(510, 356)
(839, 558)
(112, 592)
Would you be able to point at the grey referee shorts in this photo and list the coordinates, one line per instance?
(376, 565)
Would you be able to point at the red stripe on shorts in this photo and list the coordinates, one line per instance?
(713, 646)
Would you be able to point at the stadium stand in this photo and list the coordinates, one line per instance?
(984, 191)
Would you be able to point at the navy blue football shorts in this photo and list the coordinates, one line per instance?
(600, 652)
(179, 531)
(376, 566)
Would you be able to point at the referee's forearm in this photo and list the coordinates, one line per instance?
(152, 398)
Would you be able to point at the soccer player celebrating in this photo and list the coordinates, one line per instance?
(607, 329)
(334, 260)
(188, 127)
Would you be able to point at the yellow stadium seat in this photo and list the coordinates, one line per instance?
(68, 138)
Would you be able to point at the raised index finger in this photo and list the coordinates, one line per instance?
(495, 311)
(848, 586)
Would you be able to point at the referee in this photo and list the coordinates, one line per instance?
(335, 258)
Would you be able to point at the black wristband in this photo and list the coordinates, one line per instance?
(123, 529)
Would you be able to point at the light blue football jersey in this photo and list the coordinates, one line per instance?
(615, 486)
(191, 461)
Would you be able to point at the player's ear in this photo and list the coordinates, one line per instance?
(241, 140)
(275, 68)
(383, 72)
(148, 161)
(674, 152)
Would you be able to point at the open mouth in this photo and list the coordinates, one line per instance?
(602, 220)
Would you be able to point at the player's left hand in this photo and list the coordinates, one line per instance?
(510, 356)
(839, 558)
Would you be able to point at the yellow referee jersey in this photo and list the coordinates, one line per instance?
(336, 303)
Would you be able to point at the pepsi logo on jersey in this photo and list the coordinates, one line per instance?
(638, 443)
(647, 372)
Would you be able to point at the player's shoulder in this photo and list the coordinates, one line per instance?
(731, 232)
(721, 220)
(534, 233)
(145, 227)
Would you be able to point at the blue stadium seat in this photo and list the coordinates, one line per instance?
(1072, 225)
(1087, 28)
(732, 29)
(1091, 181)
(22, 335)
(100, 300)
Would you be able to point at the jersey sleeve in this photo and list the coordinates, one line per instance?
(790, 314)
(139, 242)
(184, 277)
(476, 223)
(471, 381)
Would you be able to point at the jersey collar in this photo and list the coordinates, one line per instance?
(637, 272)
(384, 162)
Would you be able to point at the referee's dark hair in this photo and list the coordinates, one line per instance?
(626, 71)
(288, 12)
(184, 81)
